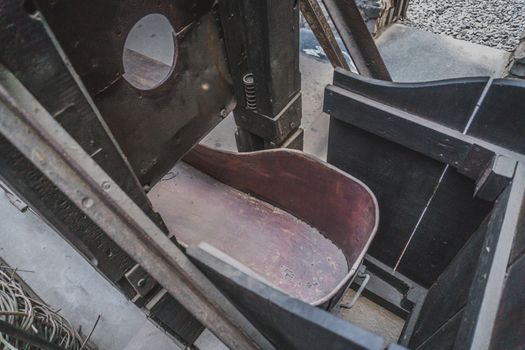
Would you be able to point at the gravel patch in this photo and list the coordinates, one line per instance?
(495, 23)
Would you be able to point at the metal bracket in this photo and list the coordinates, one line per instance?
(366, 277)
(273, 130)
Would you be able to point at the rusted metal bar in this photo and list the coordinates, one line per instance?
(357, 39)
(315, 17)
(39, 137)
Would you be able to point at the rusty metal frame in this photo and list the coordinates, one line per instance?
(357, 39)
(313, 13)
(34, 132)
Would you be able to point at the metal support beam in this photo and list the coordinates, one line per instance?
(357, 39)
(26, 125)
(316, 19)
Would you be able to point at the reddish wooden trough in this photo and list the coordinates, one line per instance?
(299, 223)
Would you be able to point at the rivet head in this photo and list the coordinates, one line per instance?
(87, 202)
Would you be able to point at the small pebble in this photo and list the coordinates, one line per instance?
(495, 23)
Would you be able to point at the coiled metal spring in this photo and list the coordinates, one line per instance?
(249, 91)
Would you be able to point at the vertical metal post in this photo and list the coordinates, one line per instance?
(357, 39)
(262, 42)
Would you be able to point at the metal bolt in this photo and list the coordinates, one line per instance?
(87, 202)
(141, 282)
(106, 185)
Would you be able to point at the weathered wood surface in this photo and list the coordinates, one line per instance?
(366, 143)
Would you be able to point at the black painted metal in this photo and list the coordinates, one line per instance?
(153, 127)
(262, 39)
(34, 340)
(449, 293)
(313, 13)
(509, 330)
(35, 134)
(357, 39)
(30, 54)
(370, 120)
(407, 182)
(288, 323)
(33, 56)
(393, 291)
(500, 120)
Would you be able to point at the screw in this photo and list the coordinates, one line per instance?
(141, 282)
(87, 202)
(106, 185)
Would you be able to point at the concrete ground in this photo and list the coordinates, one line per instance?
(414, 55)
(66, 281)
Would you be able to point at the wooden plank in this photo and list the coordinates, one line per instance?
(509, 327)
(154, 127)
(357, 38)
(445, 336)
(403, 197)
(401, 180)
(473, 283)
(518, 248)
(452, 216)
(448, 295)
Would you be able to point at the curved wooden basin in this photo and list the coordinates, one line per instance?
(301, 224)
